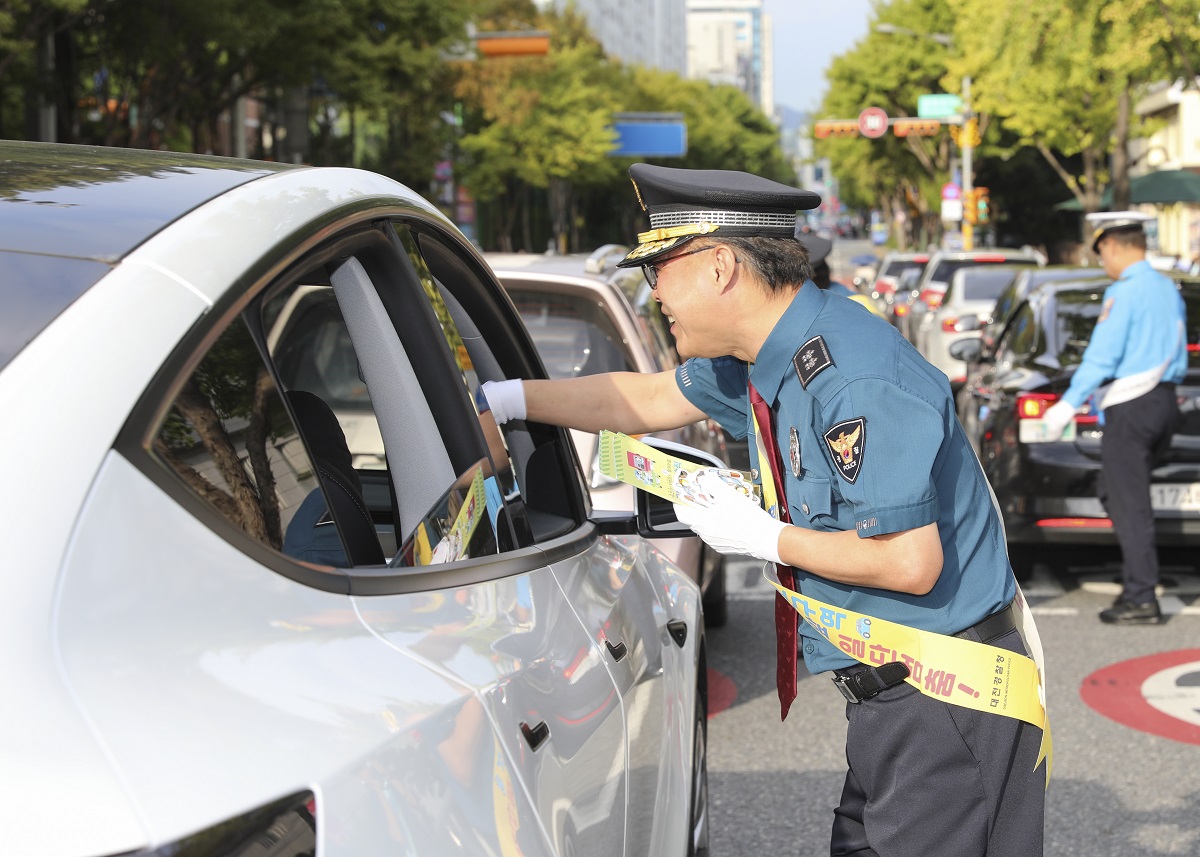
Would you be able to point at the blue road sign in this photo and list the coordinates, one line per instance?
(649, 136)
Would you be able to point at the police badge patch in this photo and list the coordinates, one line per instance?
(846, 442)
(811, 359)
(794, 452)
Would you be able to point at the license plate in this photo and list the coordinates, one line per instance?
(1176, 497)
(1036, 431)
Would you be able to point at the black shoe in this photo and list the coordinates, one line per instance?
(1128, 613)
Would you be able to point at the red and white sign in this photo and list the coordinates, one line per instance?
(873, 122)
(951, 191)
(1159, 694)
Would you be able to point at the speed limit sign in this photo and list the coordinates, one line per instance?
(873, 122)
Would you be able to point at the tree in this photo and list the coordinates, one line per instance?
(890, 71)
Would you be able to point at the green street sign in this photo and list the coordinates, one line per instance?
(938, 106)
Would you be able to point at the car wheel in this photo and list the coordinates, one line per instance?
(716, 608)
(698, 826)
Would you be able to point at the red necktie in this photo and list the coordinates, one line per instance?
(785, 616)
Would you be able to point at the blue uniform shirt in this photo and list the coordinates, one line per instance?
(870, 442)
(1139, 329)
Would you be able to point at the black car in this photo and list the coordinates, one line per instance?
(991, 328)
(1047, 490)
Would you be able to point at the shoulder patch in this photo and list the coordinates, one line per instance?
(846, 442)
(811, 359)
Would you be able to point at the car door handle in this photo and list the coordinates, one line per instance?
(535, 736)
(618, 651)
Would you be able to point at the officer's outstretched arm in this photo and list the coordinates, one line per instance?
(628, 402)
(909, 561)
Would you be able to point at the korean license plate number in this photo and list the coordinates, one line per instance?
(1176, 497)
(1036, 431)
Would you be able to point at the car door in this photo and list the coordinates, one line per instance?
(564, 688)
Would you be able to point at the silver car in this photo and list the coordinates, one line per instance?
(227, 631)
(587, 316)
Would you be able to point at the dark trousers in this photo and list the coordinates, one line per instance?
(937, 780)
(1137, 434)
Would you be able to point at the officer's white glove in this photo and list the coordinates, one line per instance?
(506, 400)
(1057, 418)
(733, 523)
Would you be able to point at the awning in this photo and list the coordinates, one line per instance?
(1158, 188)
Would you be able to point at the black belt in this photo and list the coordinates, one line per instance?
(864, 682)
(991, 628)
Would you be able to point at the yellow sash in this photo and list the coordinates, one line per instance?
(960, 672)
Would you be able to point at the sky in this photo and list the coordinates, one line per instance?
(808, 34)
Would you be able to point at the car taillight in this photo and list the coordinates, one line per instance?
(952, 324)
(932, 298)
(901, 309)
(990, 259)
(1033, 406)
(1193, 347)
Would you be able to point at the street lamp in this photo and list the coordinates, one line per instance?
(968, 126)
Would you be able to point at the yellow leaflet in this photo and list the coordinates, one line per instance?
(960, 672)
(662, 474)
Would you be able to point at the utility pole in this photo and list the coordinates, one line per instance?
(968, 183)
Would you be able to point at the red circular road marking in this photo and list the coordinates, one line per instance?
(1117, 692)
(721, 692)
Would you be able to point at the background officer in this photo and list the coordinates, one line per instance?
(914, 540)
(1140, 345)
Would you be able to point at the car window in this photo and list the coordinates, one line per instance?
(1019, 337)
(945, 269)
(984, 285)
(228, 436)
(896, 267)
(1075, 318)
(1191, 302)
(574, 334)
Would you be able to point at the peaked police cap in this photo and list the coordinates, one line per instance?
(686, 204)
(1105, 222)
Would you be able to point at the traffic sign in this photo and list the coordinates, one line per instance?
(938, 105)
(650, 135)
(873, 122)
(951, 191)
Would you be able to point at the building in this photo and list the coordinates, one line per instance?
(651, 33)
(1174, 146)
(729, 42)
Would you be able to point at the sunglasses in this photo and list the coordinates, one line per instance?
(651, 270)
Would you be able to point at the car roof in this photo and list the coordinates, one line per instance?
(94, 202)
(69, 213)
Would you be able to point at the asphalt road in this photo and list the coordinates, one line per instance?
(1116, 789)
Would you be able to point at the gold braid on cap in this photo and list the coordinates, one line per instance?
(677, 231)
(638, 191)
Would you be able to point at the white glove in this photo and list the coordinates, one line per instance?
(506, 400)
(733, 523)
(1058, 417)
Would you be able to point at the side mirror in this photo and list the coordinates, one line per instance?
(967, 350)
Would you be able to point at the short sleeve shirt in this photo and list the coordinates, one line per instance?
(870, 442)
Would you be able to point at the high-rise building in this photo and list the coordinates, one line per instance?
(652, 33)
(729, 41)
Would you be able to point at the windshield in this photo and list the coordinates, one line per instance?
(985, 285)
(574, 336)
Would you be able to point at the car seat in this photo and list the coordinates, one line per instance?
(331, 457)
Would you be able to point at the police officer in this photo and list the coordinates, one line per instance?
(818, 257)
(1139, 344)
(914, 539)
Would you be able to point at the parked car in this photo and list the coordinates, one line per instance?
(887, 280)
(1047, 489)
(993, 325)
(935, 278)
(899, 304)
(969, 299)
(580, 311)
(218, 635)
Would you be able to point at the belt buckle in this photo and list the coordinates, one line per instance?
(842, 683)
